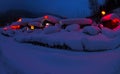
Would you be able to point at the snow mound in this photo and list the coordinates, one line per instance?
(8, 33)
(108, 32)
(73, 27)
(19, 23)
(100, 42)
(81, 21)
(91, 30)
(37, 24)
(51, 29)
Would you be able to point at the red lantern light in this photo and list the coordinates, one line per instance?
(14, 27)
(115, 20)
(46, 17)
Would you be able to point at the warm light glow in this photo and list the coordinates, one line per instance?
(15, 27)
(19, 20)
(5, 28)
(103, 12)
(115, 20)
(32, 27)
(47, 24)
(46, 17)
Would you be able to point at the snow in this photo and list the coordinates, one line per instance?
(101, 42)
(90, 38)
(82, 21)
(51, 29)
(38, 24)
(19, 23)
(52, 18)
(73, 27)
(53, 50)
(8, 32)
(91, 30)
(30, 59)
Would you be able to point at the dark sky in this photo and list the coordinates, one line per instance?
(67, 8)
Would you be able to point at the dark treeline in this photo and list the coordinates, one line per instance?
(13, 15)
(108, 6)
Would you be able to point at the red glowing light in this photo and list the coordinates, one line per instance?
(103, 12)
(46, 17)
(15, 27)
(115, 20)
(19, 20)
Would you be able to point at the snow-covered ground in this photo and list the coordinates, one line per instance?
(90, 38)
(30, 59)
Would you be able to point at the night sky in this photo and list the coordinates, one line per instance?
(67, 8)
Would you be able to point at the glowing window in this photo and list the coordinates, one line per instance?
(103, 12)
(32, 27)
(19, 20)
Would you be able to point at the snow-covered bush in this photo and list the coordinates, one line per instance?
(8, 33)
(82, 21)
(51, 29)
(73, 27)
(91, 30)
(37, 24)
(108, 32)
(100, 42)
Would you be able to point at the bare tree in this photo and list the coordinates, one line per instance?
(94, 6)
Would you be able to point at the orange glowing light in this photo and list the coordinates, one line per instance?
(15, 27)
(19, 20)
(32, 27)
(46, 17)
(103, 12)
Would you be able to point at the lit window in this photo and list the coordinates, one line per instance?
(103, 12)
(32, 27)
(47, 24)
(19, 20)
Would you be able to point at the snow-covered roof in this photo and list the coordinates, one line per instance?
(51, 18)
(76, 21)
(19, 23)
(26, 19)
(35, 23)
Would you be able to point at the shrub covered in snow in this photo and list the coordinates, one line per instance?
(76, 21)
(73, 27)
(91, 30)
(51, 29)
(8, 33)
(108, 32)
(100, 42)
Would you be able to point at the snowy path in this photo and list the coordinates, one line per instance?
(39, 60)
